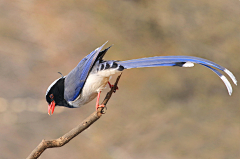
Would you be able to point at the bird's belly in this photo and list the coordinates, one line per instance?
(94, 84)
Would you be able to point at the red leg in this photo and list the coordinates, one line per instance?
(110, 85)
(97, 103)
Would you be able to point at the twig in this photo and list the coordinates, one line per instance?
(75, 131)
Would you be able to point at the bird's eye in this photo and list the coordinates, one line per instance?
(51, 96)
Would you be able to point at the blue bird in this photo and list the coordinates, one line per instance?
(92, 74)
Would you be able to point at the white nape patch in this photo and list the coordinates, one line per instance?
(231, 76)
(54, 82)
(227, 83)
(188, 64)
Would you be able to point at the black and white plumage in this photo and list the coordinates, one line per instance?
(91, 75)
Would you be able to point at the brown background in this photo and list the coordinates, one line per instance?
(167, 112)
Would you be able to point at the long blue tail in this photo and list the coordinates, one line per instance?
(181, 61)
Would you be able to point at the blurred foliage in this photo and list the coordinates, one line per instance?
(167, 112)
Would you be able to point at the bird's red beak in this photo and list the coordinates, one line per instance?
(51, 107)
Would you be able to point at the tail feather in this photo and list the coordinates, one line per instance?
(223, 78)
(168, 59)
(181, 61)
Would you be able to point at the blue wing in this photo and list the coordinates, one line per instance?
(182, 61)
(76, 79)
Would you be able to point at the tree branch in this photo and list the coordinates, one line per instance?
(75, 131)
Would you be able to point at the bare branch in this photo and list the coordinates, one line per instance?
(75, 131)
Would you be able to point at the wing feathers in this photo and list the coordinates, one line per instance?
(76, 79)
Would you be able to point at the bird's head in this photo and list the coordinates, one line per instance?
(55, 95)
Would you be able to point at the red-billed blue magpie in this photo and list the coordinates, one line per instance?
(92, 74)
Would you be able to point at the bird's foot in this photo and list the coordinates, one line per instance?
(110, 85)
(101, 106)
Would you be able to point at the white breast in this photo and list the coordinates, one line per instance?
(95, 83)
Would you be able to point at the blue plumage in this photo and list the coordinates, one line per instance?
(160, 60)
(179, 61)
(91, 75)
(76, 79)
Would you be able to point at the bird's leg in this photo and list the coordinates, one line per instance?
(97, 103)
(110, 85)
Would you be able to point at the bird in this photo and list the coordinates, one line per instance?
(87, 80)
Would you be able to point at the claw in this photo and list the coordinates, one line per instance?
(100, 106)
(110, 85)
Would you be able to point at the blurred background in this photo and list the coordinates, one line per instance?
(166, 113)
